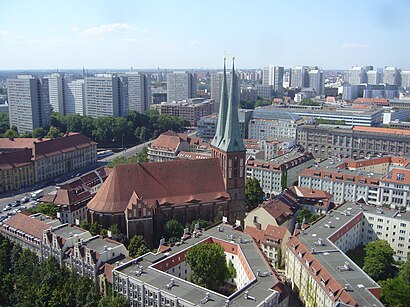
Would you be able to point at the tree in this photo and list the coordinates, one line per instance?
(208, 265)
(85, 225)
(306, 215)
(395, 292)
(309, 102)
(10, 134)
(113, 301)
(95, 228)
(115, 231)
(173, 230)
(253, 193)
(45, 208)
(405, 271)
(202, 224)
(136, 246)
(378, 260)
(39, 132)
(143, 155)
(53, 133)
(231, 269)
(4, 122)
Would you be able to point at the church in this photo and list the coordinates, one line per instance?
(142, 197)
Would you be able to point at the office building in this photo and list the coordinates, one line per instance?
(264, 91)
(374, 77)
(356, 75)
(391, 76)
(273, 75)
(191, 110)
(216, 87)
(75, 97)
(299, 77)
(29, 106)
(180, 86)
(325, 141)
(350, 92)
(317, 81)
(162, 279)
(139, 92)
(405, 79)
(56, 84)
(106, 95)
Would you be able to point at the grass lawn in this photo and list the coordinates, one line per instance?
(357, 255)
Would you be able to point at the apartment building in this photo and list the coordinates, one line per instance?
(280, 172)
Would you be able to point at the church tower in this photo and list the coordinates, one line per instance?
(227, 145)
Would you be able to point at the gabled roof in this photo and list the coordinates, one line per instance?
(170, 182)
(169, 140)
(28, 224)
(281, 208)
(14, 159)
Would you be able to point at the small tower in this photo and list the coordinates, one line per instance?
(228, 147)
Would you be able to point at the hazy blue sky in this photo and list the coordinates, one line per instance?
(194, 34)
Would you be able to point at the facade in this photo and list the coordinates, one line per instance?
(266, 123)
(264, 91)
(357, 75)
(357, 142)
(139, 92)
(317, 81)
(323, 278)
(350, 92)
(299, 77)
(374, 77)
(56, 83)
(16, 170)
(280, 172)
(216, 87)
(191, 110)
(395, 189)
(48, 157)
(273, 75)
(106, 95)
(74, 93)
(391, 75)
(180, 86)
(405, 79)
(28, 101)
(162, 279)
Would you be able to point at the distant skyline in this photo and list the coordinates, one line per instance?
(192, 34)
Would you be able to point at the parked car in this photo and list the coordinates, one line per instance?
(7, 208)
(16, 203)
(25, 199)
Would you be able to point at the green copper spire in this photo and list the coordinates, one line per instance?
(232, 141)
(223, 106)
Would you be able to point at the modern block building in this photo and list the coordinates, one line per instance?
(391, 75)
(29, 106)
(273, 75)
(317, 81)
(374, 77)
(56, 84)
(299, 77)
(357, 75)
(216, 87)
(74, 94)
(180, 86)
(357, 142)
(139, 92)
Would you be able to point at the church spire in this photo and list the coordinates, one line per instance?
(232, 141)
(223, 106)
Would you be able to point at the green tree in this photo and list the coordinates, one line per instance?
(202, 224)
(231, 269)
(45, 208)
(136, 243)
(53, 133)
(10, 134)
(39, 132)
(4, 122)
(113, 301)
(26, 135)
(85, 225)
(173, 230)
(308, 216)
(378, 260)
(143, 155)
(309, 102)
(208, 265)
(253, 193)
(405, 270)
(95, 228)
(115, 230)
(395, 292)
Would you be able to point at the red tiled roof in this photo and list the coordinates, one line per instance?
(381, 130)
(310, 193)
(170, 182)
(168, 140)
(398, 175)
(27, 224)
(19, 143)
(192, 155)
(14, 159)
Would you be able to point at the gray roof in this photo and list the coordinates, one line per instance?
(259, 289)
(66, 231)
(277, 114)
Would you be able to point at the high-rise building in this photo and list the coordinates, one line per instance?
(28, 100)
(317, 81)
(391, 75)
(56, 84)
(216, 87)
(139, 92)
(273, 75)
(106, 95)
(180, 86)
(356, 75)
(373, 77)
(405, 79)
(299, 77)
(74, 94)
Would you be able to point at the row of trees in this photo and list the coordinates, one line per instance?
(393, 277)
(107, 131)
(138, 158)
(24, 281)
(249, 104)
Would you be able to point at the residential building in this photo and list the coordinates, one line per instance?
(273, 75)
(49, 157)
(139, 92)
(248, 93)
(162, 279)
(216, 87)
(269, 123)
(264, 91)
(395, 188)
(357, 75)
(374, 77)
(280, 172)
(405, 79)
(391, 75)
(325, 141)
(299, 77)
(323, 278)
(74, 93)
(350, 92)
(56, 84)
(317, 81)
(106, 95)
(180, 86)
(29, 106)
(191, 110)
(16, 170)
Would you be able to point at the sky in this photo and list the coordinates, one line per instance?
(197, 34)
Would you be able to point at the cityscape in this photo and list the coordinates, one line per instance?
(210, 172)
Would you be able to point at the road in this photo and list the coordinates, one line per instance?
(127, 152)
